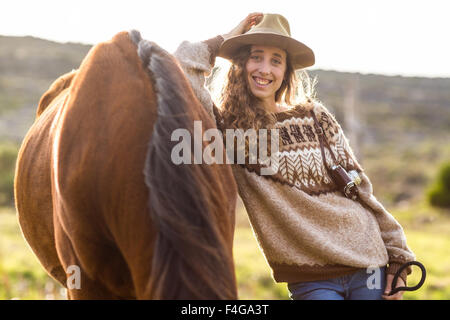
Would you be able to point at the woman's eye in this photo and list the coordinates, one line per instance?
(276, 61)
(255, 57)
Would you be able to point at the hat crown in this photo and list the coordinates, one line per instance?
(273, 30)
(272, 23)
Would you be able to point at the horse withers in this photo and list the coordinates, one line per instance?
(95, 186)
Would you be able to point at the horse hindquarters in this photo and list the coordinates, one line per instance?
(100, 194)
(101, 202)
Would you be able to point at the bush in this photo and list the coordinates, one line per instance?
(8, 155)
(439, 192)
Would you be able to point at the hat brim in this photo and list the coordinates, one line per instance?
(301, 55)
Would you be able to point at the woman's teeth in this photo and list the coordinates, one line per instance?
(261, 81)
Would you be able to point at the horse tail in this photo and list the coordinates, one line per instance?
(189, 205)
(63, 82)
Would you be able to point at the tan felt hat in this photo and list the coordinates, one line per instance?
(273, 30)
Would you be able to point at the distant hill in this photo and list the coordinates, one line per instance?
(389, 107)
(384, 117)
(38, 58)
(27, 67)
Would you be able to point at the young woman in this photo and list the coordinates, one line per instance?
(323, 243)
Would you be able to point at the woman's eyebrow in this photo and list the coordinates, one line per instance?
(262, 51)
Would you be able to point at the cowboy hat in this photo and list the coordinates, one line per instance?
(272, 30)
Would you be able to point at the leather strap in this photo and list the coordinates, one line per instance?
(399, 271)
(322, 140)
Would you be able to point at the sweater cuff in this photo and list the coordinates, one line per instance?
(394, 267)
(213, 47)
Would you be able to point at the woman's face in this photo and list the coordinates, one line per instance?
(265, 71)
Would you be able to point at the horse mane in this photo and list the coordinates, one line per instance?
(63, 82)
(193, 253)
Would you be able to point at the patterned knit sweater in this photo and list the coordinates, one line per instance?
(307, 229)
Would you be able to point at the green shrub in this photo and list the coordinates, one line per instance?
(8, 155)
(439, 192)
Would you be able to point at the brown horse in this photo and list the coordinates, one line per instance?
(96, 188)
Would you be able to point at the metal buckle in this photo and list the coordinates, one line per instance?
(351, 191)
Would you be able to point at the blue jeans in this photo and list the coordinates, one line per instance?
(360, 285)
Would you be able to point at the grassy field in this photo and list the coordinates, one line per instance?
(21, 275)
(427, 230)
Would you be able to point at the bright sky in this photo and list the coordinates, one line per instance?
(406, 37)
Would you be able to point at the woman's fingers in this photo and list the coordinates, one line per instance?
(254, 14)
(388, 288)
(244, 25)
(397, 296)
(251, 20)
(254, 17)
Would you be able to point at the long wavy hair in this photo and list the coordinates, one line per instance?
(240, 109)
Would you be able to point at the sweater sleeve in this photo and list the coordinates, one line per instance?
(197, 60)
(391, 231)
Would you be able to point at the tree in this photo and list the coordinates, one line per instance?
(439, 192)
(8, 155)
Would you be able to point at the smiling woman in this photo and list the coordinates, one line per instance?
(262, 80)
(265, 73)
(310, 228)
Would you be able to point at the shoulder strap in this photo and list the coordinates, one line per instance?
(322, 139)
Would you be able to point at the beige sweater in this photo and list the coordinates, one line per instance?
(307, 229)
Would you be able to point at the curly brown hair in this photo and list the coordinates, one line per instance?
(239, 107)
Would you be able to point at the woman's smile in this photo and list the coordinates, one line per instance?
(261, 82)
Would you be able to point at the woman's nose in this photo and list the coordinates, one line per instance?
(265, 69)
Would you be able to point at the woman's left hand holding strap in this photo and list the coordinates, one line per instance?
(396, 296)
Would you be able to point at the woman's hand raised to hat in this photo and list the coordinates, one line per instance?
(244, 25)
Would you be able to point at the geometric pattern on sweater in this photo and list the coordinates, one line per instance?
(300, 162)
(303, 167)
